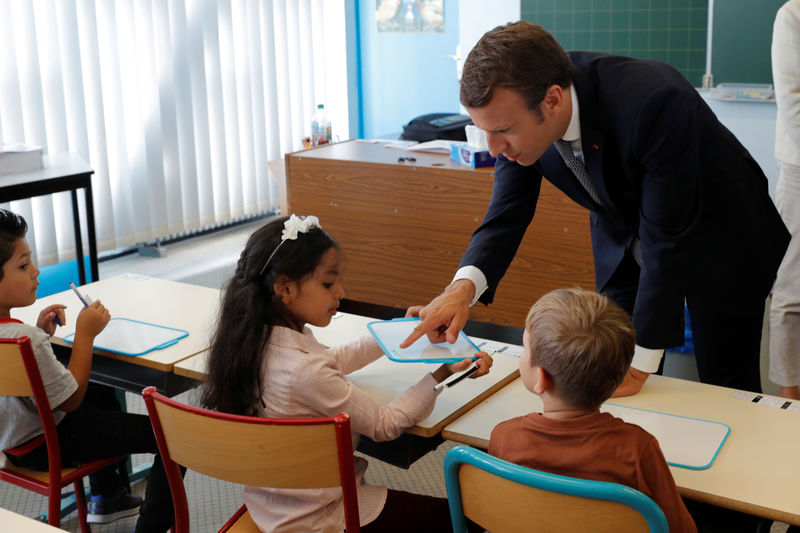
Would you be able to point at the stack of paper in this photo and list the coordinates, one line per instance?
(438, 146)
(16, 158)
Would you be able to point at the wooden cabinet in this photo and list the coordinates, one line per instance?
(403, 227)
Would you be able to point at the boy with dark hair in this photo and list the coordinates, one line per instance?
(88, 428)
(578, 347)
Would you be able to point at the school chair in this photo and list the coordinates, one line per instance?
(20, 377)
(507, 498)
(284, 453)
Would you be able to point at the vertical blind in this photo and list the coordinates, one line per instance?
(178, 106)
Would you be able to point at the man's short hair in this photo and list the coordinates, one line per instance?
(583, 341)
(519, 56)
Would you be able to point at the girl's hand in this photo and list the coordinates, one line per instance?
(483, 362)
(48, 315)
(92, 320)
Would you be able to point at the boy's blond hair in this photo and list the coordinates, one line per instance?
(583, 341)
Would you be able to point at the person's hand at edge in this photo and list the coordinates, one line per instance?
(632, 383)
(48, 315)
(445, 316)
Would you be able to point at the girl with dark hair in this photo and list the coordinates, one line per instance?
(264, 361)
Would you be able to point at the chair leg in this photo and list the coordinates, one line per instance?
(80, 504)
(54, 505)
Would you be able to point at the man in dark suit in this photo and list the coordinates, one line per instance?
(680, 211)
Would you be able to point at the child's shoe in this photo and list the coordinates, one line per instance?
(104, 509)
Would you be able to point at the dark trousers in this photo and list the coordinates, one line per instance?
(727, 344)
(405, 511)
(99, 429)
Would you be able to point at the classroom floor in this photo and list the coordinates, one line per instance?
(209, 261)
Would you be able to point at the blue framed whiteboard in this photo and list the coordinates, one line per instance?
(691, 443)
(132, 337)
(390, 333)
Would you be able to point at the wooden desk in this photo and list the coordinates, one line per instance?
(60, 173)
(385, 379)
(404, 226)
(756, 471)
(11, 521)
(169, 303)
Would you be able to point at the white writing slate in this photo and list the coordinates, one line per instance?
(686, 442)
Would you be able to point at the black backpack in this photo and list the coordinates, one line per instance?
(433, 126)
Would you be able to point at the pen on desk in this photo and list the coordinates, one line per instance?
(84, 299)
(465, 374)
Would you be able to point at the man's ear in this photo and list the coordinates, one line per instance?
(553, 100)
(544, 382)
(284, 289)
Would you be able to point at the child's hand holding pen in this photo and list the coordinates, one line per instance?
(483, 362)
(51, 316)
(92, 320)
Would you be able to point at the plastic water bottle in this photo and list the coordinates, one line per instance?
(320, 127)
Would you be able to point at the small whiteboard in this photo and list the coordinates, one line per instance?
(686, 442)
(390, 333)
(131, 337)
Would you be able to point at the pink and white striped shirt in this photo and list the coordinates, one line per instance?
(303, 378)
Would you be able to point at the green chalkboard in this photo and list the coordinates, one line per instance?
(673, 31)
(741, 40)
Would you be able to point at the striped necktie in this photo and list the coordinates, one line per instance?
(577, 167)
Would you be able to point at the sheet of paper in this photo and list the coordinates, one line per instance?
(437, 147)
(399, 144)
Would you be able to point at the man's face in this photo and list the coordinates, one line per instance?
(519, 133)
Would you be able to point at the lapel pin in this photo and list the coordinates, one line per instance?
(594, 146)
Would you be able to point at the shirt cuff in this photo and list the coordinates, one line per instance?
(477, 278)
(646, 359)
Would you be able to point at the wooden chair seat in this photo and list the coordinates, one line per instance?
(241, 522)
(38, 475)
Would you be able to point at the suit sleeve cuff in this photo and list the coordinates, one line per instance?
(477, 278)
(646, 359)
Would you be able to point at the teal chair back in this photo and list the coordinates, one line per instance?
(503, 497)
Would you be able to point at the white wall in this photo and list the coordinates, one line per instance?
(753, 123)
(476, 17)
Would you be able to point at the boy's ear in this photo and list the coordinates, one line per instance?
(283, 289)
(544, 382)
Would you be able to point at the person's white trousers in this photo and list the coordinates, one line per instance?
(784, 316)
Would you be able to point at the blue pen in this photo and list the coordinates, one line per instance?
(57, 321)
(84, 299)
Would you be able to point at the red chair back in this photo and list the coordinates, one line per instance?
(20, 377)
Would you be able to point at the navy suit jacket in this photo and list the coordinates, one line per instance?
(664, 168)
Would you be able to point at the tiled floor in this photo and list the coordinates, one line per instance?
(209, 261)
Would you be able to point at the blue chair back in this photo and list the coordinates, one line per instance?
(503, 497)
